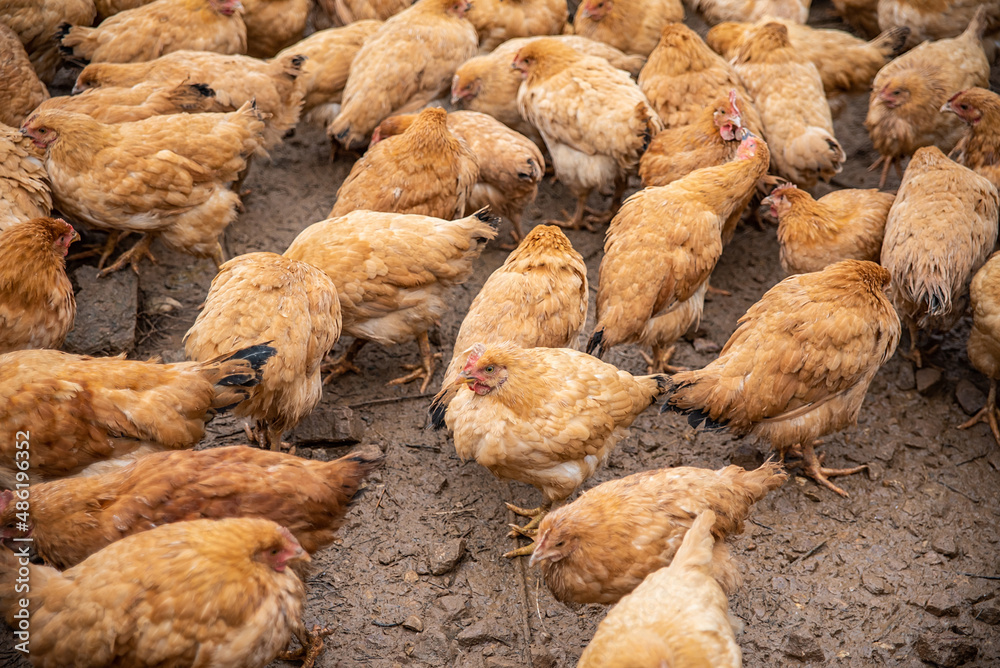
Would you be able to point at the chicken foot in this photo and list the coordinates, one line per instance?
(311, 647)
(988, 413)
(529, 530)
(133, 256)
(812, 467)
(660, 360)
(886, 162)
(423, 370)
(576, 221)
(267, 437)
(344, 363)
(105, 250)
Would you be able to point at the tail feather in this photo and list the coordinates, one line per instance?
(439, 407)
(698, 546)
(235, 373)
(596, 342)
(487, 216)
(890, 42)
(67, 41)
(757, 483)
(354, 468)
(978, 24)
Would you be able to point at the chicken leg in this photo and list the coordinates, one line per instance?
(423, 370)
(576, 221)
(988, 413)
(344, 363)
(105, 250)
(529, 530)
(132, 256)
(312, 646)
(811, 467)
(660, 360)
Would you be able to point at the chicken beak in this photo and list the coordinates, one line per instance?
(76, 236)
(947, 107)
(464, 379)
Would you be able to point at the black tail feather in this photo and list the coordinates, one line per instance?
(437, 410)
(595, 342)
(488, 217)
(256, 356)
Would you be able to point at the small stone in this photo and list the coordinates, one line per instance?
(875, 584)
(445, 556)
(927, 380)
(410, 577)
(161, 304)
(969, 397)
(945, 545)
(905, 379)
(648, 443)
(811, 495)
(803, 647)
(702, 345)
(988, 613)
(946, 651)
(747, 455)
(329, 425)
(481, 632)
(454, 606)
(943, 604)
(413, 623)
(106, 311)
(542, 658)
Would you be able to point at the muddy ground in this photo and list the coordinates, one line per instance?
(905, 569)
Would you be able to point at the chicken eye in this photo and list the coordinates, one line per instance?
(560, 543)
(275, 551)
(42, 131)
(963, 107)
(489, 369)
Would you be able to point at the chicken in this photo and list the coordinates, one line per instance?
(273, 25)
(347, 12)
(24, 183)
(274, 86)
(844, 225)
(425, 171)
(20, 88)
(594, 119)
(328, 56)
(124, 105)
(264, 297)
(939, 232)
(167, 177)
(213, 593)
(799, 364)
(106, 8)
(600, 547)
(627, 25)
(488, 84)
(678, 616)
(846, 64)
(984, 339)
(510, 164)
(497, 21)
(788, 92)
(161, 27)
(74, 518)
(37, 21)
(935, 20)
(907, 95)
(537, 299)
(548, 417)
(392, 272)
(684, 76)
(87, 414)
(979, 149)
(711, 140)
(661, 249)
(748, 11)
(408, 62)
(37, 305)
(862, 15)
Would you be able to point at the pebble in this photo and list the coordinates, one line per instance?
(969, 397)
(747, 455)
(702, 345)
(943, 604)
(329, 425)
(945, 545)
(946, 651)
(905, 380)
(413, 623)
(445, 556)
(803, 647)
(481, 632)
(927, 380)
(988, 613)
(453, 605)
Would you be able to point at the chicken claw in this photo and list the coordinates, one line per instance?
(132, 256)
(423, 370)
(988, 414)
(660, 361)
(530, 529)
(311, 647)
(344, 363)
(811, 467)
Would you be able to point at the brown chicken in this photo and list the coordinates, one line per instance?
(846, 64)
(37, 305)
(940, 230)
(160, 27)
(844, 225)
(125, 105)
(748, 11)
(678, 616)
(548, 417)
(267, 298)
(628, 25)
(106, 8)
(600, 547)
(72, 519)
(497, 21)
(510, 164)
(935, 19)
(167, 177)
(661, 249)
(594, 119)
(489, 85)
(424, 170)
(215, 593)
(979, 149)
(537, 299)
(711, 140)
(392, 273)
(347, 12)
(20, 88)
(907, 95)
(862, 15)
(408, 62)
(328, 56)
(788, 93)
(273, 25)
(37, 21)
(24, 183)
(799, 364)
(984, 339)
(684, 76)
(87, 414)
(274, 86)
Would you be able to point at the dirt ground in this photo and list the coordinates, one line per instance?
(906, 568)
